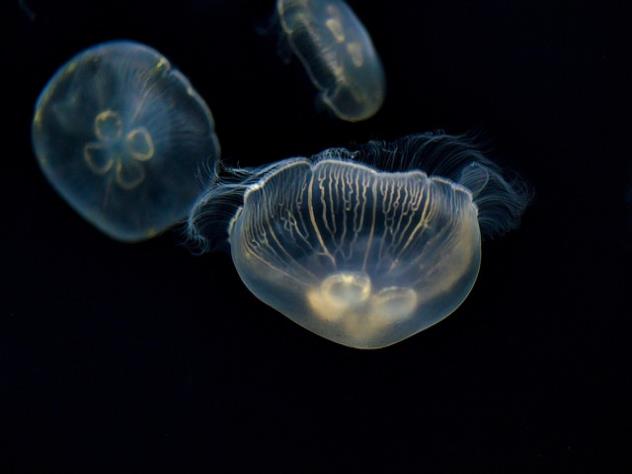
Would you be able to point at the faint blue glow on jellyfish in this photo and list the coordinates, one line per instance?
(123, 137)
(337, 53)
(364, 248)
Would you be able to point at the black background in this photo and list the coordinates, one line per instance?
(143, 358)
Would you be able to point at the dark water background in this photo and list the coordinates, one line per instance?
(142, 358)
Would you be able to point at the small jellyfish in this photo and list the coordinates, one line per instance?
(123, 137)
(364, 248)
(337, 53)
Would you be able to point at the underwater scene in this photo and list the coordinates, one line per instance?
(315, 236)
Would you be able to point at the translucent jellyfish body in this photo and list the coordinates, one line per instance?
(337, 53)
(122, 136)
(364, 248)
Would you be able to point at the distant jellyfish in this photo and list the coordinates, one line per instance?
(365, 248)
(123, 137)
(337, 53)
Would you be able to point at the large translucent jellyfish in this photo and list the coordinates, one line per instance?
(123, 137)
(337, 53)
(365, 248)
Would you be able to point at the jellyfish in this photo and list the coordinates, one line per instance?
(337, 53)
(124, 139)
(366, 247)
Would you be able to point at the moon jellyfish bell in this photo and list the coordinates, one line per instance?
(337, 53)
(366, 248)
(123, 137)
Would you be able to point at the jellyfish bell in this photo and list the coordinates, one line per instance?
(123, 138)
(364, 248)
(337, 54)
(361, 257)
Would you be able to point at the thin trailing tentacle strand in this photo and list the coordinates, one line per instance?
(500, 197)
